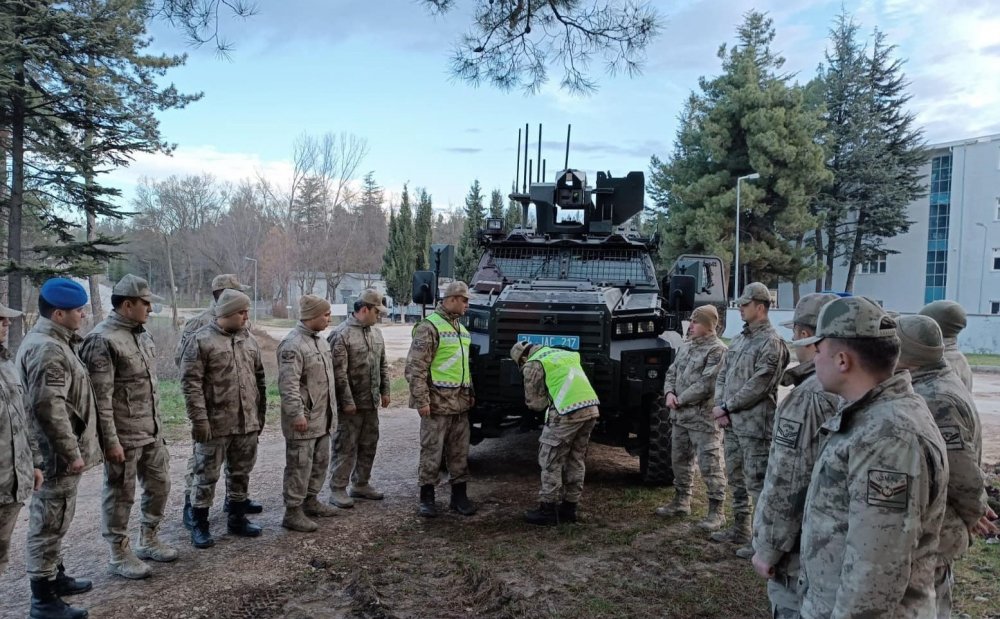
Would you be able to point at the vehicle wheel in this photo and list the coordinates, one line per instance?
(655, 465)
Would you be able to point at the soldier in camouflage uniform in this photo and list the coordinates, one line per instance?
(951, 404)
(226, 281)
(746, 394)
(950, 317)
(20, 460)
(60, 400)
(308, 411)
(362, 376)
(437, 370)
(795, 445)
(878, 491)
(554, 382)
(224, 392)
(121, 358)
(690, 391)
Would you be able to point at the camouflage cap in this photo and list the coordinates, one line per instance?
(133, 286)
(6, 312)
(520, 351)
(312, 306)
(755, 291)
(920, 341)
(227, 281)
(949, 315)
(374, 297)
(807, 309)
(850, 318)
(456, 288)
(706, 315)
(230, 302)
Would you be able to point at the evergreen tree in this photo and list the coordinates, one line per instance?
(398, 260)
(467, 253)
(512, 215)
(496, 204)
(422, 231)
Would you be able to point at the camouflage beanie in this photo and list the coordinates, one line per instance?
(312, 306)
(230, 302)
(949, 315)
(920, 341)
(706, 315)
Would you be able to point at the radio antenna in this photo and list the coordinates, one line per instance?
(524, 187)
(568, 129)
(539, 159)
(517, 171)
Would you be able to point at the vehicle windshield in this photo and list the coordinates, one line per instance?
(596, 265)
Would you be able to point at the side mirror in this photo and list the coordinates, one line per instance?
(425, 287)
(680, 293)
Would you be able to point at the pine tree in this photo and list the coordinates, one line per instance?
(398, 260)
(496, 204)
(422, 231)
(467, 253)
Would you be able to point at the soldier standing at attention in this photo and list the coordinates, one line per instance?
(690, 390)
(794, 448)
(746, 394)
(921, 352)
(121, 359)
(437, 370)
(224, 392)
(362, 376)
(877, 495)
(226, 281)
(950, 317)
(308, 413)
(60, 400)
(554, 382)
(20, 460)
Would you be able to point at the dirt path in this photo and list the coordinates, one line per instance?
(397, 338)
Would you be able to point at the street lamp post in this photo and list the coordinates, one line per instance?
(254, 261)
(982, 267)
(736, 261)
(149, 272)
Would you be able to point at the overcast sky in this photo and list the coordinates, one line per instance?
(379, 69)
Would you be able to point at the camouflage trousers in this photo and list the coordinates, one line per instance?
(238, 452)
(354, 446)
(305, 468)
(444, 438)
(746, 465)
(944, 583)
(686, 446)
(562, 455)
(8, 518)
(150, 464)
(783, 589)
(51, 512)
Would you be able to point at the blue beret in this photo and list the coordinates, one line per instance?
(63, 293)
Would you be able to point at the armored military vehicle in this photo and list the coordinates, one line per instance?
(581, 278)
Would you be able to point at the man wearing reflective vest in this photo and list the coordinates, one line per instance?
(554, 381)
(437, 370)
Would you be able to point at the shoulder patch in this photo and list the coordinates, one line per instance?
(787, 432)
(418, 345)
(714, 357)
(55, 376)
(99, 364)
(952, 436)
(889, 489)
(190, 351)
(287, 356)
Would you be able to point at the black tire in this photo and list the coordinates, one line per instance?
(655, 465)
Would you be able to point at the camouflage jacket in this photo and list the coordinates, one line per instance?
(121, 358)
(691, 377)
(191, 326)
(955, 414)
(19, 455)
(795, 446)
(306, 383)
(59, 398)
(874, 509)
(359, 360)
(443, 401)
(957, 361)
(538, 398)
(748, 379)
(223, 381)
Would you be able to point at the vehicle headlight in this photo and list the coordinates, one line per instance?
(624, 328)
(645, 326)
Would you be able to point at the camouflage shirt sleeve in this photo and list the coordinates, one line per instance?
(670, 380)
(289, 375)
(704, 388)
(258, 370)
(965, 477)
(192, 381)
(536, 393)
(385, 387)
(338, 347)
(48, 383)
(423, 347)
(720, 377)
(186, 335)
(96, 355)
(769, 363)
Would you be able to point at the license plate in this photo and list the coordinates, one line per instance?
(571, 342)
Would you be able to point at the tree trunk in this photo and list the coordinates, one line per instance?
(88, 182)
(4, 197)
(831, 256)
(15, 281)
(818, 241)
(170, 272)
(852, 267)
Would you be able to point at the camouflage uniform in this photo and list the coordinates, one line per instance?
(61, 402)
(747, 387)
(121, 358)
(951, 318)
(362, 377)
(445, 432)
(795, 445)
(223, 381)
(957, 362)
(691, 378)
(19, 455)
(306, 383)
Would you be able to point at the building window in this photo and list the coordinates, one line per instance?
(936, 275)
(996, 259)
(995, 307)
(875, 265)
(996, 211)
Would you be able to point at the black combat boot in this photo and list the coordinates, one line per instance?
(460, 501)
(427, 507)
(188, 516)
(201, 535)
(67, 585)
(253, 507)
(546, 514)
(46, 603)
(567, 512)
(237, 523)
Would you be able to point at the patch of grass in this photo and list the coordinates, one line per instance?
(976, 576)
(399, 391)
(992, 360)
(277, 322)
(174, 415)
(602, 607)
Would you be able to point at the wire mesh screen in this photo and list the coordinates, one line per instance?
(587, 264)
